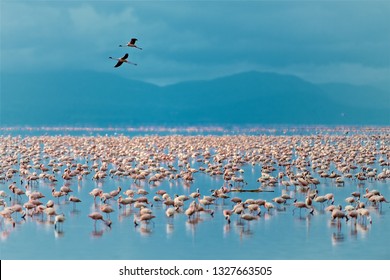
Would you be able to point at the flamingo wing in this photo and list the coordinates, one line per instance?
(133, 40)
(125, 56)
(119, 63)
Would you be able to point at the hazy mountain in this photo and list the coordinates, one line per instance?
(101, 99)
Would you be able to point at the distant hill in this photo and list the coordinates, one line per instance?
(101, 99)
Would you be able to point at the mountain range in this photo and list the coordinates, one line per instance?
(89, 98)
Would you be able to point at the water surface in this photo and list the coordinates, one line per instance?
(275, 235)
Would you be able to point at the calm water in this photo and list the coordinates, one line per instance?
(276, 235)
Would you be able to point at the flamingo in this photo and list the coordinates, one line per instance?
(114, 193)
(161, 192)
(379, 199)
(129, 193)
(125, 201)
(74, 200)
(227, 213)
(356, 194)
(57, 194)
(65, 189)
(146, 218)
(236, 200)
(142, 192)
(170, 212)
(268, 206)
(338, 214)
(320, 199)
(279, 200)
(3, 194)
(239, 208)
(330, 197)
(29, 206)
(106, 209)
(97, 216)
(144, 210)
(254, 208)
(95, 193)
(353, 214)
(205, 201)
(350, 199)
(300, 205)
(50, 212)
(191, 210)
(50, 204)
(122, 60)
(59, 219)
(364, 214)
(131, 44)
(201, 209)
(195, 194)
(249, 217)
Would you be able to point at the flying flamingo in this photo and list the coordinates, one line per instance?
(122, 59)
(131, 44)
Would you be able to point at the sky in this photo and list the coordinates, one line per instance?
(320, 41)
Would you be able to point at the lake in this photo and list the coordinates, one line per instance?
(275, 234)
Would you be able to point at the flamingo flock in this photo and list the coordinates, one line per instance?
(145, 180)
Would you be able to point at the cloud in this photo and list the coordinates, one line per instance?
(48, 36)
(200, 40)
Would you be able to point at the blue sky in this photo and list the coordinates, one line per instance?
(320, 41)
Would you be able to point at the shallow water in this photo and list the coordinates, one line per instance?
(279, 234)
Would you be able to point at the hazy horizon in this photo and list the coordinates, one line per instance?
(200, 60)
